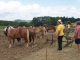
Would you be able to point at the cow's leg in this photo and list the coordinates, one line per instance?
(19, 41)
(42, 34)
(13, 42)
(34, 40)
(9, 43)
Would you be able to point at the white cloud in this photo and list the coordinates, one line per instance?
(15, 10)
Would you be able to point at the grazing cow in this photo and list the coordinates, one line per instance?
(17, 33)
(50, 27)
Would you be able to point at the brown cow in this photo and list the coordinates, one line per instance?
(17, 33)
(49, 27)
(41, 30)
(32, 35)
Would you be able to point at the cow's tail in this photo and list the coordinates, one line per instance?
(28, 37)
(44, 31)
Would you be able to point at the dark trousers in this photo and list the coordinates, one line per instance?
(60, 42)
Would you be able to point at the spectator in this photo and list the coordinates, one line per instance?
(60, 33)
(77, 35)
(68, 28)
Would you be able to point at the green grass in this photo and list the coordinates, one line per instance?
(1, 27)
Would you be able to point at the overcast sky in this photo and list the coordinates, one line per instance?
(27, 9)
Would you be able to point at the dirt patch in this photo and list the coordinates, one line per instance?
(38, 53)
(18, 51)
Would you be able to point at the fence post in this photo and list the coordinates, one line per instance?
(46, 50)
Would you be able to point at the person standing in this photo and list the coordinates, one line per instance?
(60, 33)
(77, 35)
(68, 25)
(68, 28)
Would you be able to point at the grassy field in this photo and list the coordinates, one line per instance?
(1, 27)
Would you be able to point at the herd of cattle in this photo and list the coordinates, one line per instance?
(29, 34)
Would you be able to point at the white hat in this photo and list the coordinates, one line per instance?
(60, 21)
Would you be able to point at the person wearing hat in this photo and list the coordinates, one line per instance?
(60, 33)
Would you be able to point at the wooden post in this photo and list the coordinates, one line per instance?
(46, 50)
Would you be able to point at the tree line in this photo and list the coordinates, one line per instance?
(39, 21)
